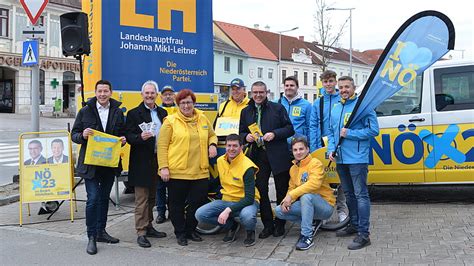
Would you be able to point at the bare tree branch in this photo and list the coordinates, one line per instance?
(324, 34)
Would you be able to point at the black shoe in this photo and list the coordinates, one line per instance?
(266, 232)
(359, 242)
(152, 232)
(106, 238)
(161, 218)
(279, 231)
(194, 237)
(143, 242)
(347, 231)
(250, 240)
(182, 241)
(232, 233)
(92, 246)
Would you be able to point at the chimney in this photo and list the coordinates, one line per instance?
(267, 28)
(301, 38)
(256, 26)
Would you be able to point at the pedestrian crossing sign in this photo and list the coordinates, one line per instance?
(30, 53)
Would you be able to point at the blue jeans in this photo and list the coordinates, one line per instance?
(354, 183)
(308, 207)
(161, 197)
(97, 205)
(209, 213)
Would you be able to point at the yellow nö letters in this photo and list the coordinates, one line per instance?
(129, 16)
(393, 68)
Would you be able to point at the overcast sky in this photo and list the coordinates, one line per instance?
(373, 22)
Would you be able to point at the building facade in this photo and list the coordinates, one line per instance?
(58, 75)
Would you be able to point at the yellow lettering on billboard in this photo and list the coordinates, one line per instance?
(188, 7)
(129, 16)
(396, 54)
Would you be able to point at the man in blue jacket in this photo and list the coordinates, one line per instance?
(352, 158)
(298, 109)
(321, 111)
(319, 125)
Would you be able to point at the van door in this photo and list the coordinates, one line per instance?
(451, 153)
(397, 153)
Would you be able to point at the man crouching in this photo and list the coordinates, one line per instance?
(239, 195)
(309, 195)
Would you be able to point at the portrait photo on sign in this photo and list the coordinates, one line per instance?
(58, 151)
(34, 150)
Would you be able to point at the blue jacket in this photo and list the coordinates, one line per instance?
(355, 147)
(329, 100)
(299, 111)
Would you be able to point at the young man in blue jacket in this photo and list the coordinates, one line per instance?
(298, 109)
(319, 123)
(352, 159)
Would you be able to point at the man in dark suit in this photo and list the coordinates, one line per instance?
(35, 148)
(143, 166)
(268, 151)
(103, 114)
(57, 147)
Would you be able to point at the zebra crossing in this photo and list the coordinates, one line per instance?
(9, 154)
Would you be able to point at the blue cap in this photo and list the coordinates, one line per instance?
(237, 83)
(167, 88)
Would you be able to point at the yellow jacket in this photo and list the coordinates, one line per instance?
(170, 109)
(233, 108)
(231, 176)
(184, 159)
(308, 176)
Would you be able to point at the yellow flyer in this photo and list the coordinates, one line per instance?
(255, 130)
(103, 150)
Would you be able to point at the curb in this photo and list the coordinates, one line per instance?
(10, 199)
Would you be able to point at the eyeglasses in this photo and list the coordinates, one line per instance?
(186, 103)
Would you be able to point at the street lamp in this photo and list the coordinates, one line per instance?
(350, 33)
(279, 55)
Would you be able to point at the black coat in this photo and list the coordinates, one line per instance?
(88, 117)
(274, 119)
(143, 164)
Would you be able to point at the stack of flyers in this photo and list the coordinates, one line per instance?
(148, 127)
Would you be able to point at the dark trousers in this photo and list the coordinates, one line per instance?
(261, 182)
(97, 206)
(161, 197)
(184, 198)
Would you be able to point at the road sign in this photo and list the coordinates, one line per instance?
(30, 53)
(34, 8)
(33, 32)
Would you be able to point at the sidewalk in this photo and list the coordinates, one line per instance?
(427, 234)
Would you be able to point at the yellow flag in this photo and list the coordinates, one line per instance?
(103, 150)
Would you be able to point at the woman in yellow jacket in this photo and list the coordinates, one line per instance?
(186, 143)
(309, 194)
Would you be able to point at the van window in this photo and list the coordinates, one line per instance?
(405, 101)
(454, 88)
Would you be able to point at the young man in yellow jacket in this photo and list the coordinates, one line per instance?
(239, 195)
(309, 194)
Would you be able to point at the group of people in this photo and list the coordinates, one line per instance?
(278, 138)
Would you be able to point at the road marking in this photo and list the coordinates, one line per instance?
(9, 160)
(7, 155)
(12, 164)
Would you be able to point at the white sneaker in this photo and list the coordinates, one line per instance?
(342, 216)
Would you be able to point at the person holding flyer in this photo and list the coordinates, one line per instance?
(143, 128)
(101, 113)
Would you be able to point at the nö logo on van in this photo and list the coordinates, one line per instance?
(438, 146)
